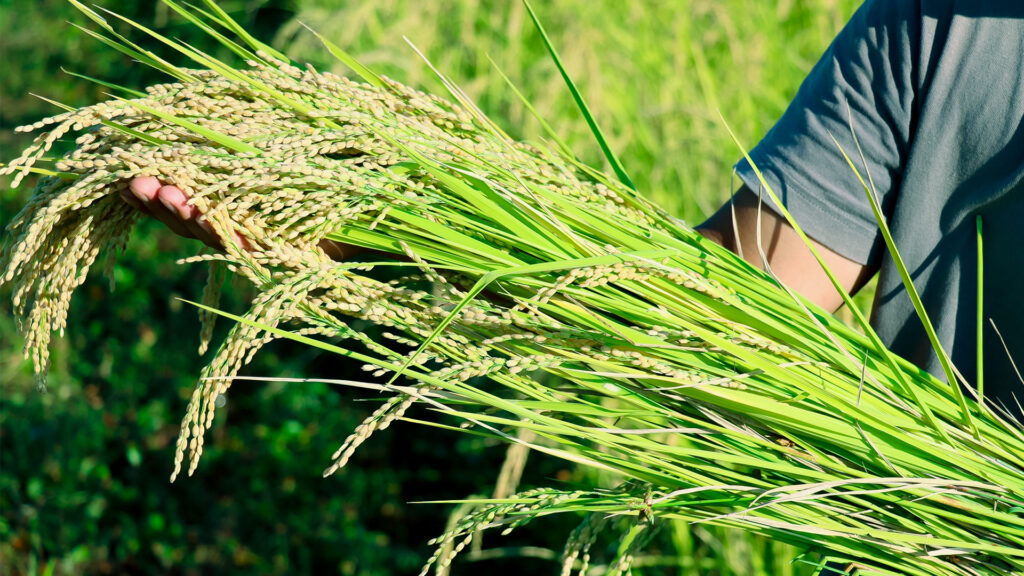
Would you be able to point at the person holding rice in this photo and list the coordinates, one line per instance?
(927, 99)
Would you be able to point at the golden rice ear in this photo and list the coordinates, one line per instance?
(210, 298)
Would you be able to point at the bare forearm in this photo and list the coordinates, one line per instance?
(776, 245)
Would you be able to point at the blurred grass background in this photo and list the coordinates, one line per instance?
(84, 467)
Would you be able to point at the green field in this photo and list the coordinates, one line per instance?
(84, 467)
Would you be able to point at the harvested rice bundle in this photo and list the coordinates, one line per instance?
(714, 393)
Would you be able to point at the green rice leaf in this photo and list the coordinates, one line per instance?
(580, 103)
(224, 140)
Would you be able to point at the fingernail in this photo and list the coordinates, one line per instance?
(175, 200)
(144, 188)
(171, 207)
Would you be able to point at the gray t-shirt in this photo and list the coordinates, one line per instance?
(936, 92)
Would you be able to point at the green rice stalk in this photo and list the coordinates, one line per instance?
(716, 395)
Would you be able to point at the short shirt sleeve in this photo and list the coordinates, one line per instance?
(865, 80)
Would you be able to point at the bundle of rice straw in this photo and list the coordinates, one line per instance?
(715, 394)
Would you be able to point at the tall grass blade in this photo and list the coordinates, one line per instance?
(580, 102)
(980, 325)
(915, 297)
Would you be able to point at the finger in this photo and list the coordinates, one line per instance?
(169, 204)
(171, 220)
(213, 240)
(243, 242)
(201, 229)
(206, 233)
(130, 199)
(141, 193)
(338, 251)
(176, 202)
(169, 216)
(144, 188)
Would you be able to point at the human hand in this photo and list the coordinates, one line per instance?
(169, 204)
